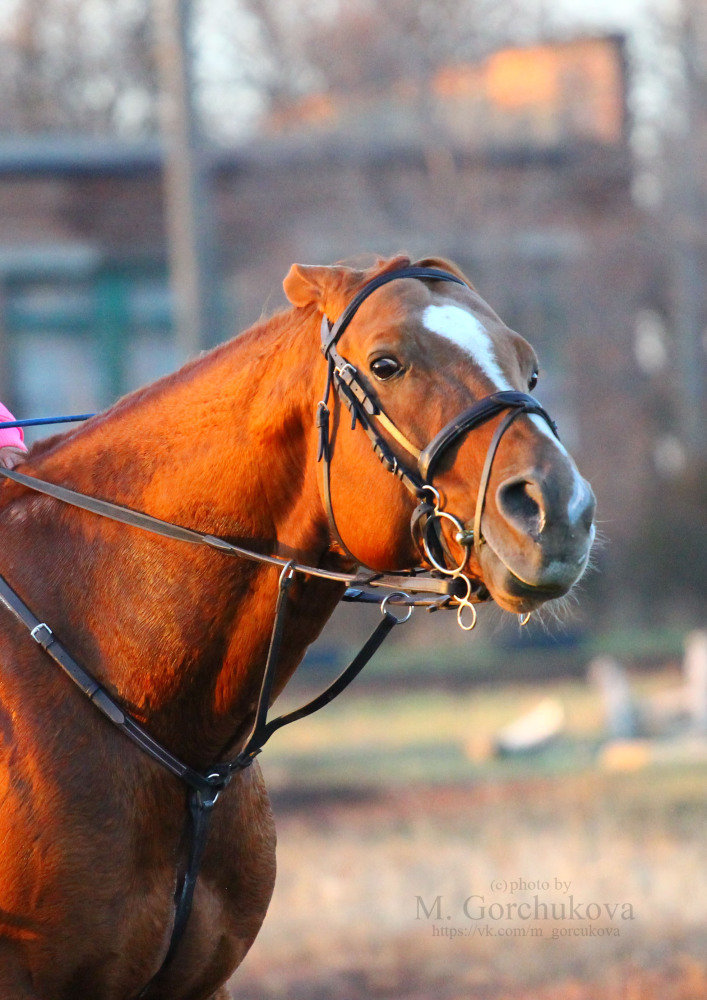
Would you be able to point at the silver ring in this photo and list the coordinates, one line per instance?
(464, 602)
(437, 499)
(460, 612)
(437, 565)
(385, 611)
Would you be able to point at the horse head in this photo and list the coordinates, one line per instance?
(416, 352)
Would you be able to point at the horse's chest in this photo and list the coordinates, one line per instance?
(232, 893)
(100, 879)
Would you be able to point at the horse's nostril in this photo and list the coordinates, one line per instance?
(521, 501)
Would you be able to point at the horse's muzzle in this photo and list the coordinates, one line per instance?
(537, 538)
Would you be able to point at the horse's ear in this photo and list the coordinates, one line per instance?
(331, 288)
(304, 283)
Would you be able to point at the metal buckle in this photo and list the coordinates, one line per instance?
(340, 370)
(217, 782)
(42, 641)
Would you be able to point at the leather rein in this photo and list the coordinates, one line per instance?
(439, 589)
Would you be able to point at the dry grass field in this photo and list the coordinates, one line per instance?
(378, 803)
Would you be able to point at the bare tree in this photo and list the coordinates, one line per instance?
(76, 66)
(88, 65)
(362, 44)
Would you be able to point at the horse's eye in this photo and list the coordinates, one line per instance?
(533, 380)
(384, 368)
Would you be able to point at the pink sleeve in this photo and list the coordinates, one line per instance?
(13, 436)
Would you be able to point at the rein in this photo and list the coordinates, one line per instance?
(204, 787)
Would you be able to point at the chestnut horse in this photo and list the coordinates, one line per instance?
(91, 828)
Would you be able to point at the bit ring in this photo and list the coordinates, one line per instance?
(428, 551)
(385, 611)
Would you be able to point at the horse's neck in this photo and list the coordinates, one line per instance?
(213, 444)
(227, 447)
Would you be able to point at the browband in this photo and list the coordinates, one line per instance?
(330, 335)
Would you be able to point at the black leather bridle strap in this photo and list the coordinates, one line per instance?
(364, 408)
(430, 273)
(486, 476)
(480, 413)
(353, 392)
(344, 378)
(521, 408)
(324, 456)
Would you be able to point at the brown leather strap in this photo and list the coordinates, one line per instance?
(415, 583)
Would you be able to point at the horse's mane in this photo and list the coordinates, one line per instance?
(269, 336)
(37, 449)
(256, 342)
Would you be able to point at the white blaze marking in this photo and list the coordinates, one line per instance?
(578, 500)
(543, 426)
(466, 331)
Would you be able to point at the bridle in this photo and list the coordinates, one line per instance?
(204, 787)
(427, 517)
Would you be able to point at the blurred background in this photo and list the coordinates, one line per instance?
(162, 163)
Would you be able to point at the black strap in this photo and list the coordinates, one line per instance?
(364, 408)
(204, 788)
(199, 813)
(134, 518)
(479, 413)
(431, 273)
(355, 396)
(255, 742)
(486, 476)
(98, 696)
(374, 641)
(324, 456)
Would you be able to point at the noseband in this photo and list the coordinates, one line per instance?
(427, 518)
